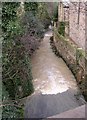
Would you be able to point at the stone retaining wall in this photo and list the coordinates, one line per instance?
(73, 56)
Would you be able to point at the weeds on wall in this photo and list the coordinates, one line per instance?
(61, 29)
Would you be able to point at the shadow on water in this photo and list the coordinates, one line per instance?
(45, 105)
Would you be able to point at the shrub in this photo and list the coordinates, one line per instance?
(16, 68)
(34, 32)
(43, 15)
(16, 72)
(31, 6)
(10, 109)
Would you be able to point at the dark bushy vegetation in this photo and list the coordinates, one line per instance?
(11, 109)
(33, 32)
(43, 15)
(55, 15)
(35, 22)
(16, 70)
(22, 32)
(31, 6)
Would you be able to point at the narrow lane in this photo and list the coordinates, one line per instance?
(54, 84)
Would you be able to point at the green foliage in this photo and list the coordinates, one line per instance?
(31, 6)
(34, 29)
(55, 15)
(9, 13)
(39, 10)
(61, 28)
(33, 24)
(10, 109)
(15, 70)
(14, 28)
(43, 15)
(16, 67)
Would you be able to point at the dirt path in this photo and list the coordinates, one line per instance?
(55, 85)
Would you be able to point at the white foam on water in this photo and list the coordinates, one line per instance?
(55, 88)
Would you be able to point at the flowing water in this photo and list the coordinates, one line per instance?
(54, 84)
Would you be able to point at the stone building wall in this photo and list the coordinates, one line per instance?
(66, 14)
(66, 19)
(77, 23)
(60, 12)
(74, 16)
